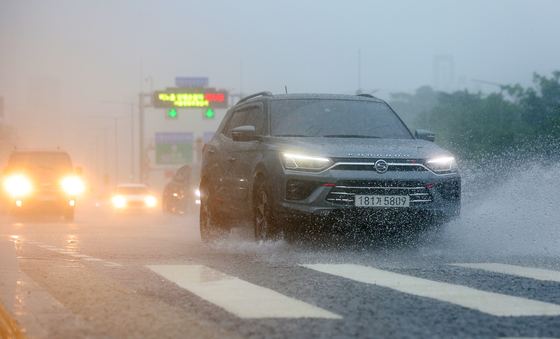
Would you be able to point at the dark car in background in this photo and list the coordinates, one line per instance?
(181, 194)
(38, 182)
(294, 163)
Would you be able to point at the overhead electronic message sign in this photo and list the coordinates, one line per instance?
(191, 97)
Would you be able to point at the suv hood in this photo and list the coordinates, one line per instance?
(360, 148)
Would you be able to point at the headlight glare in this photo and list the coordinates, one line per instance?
(118, 201)
(442, 164)
(73, 185)
(150, 201)
(300, 162)
(18, 186)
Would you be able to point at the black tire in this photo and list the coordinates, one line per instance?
(69, 214)
(211, 227)
(264, 223)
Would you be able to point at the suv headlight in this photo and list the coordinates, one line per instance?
(300, 162)
(18, 185)
(442, 165)
(73, 186)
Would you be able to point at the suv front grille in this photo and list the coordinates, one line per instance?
(368, 164)
(345, 191)
(371, 167)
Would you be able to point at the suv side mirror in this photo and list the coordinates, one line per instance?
(79, 170)
(424, 135)
(243, 133)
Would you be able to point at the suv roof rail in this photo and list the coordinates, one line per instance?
(266, 93)
(366, 95)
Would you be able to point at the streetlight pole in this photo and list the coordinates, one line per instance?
(116, 153)
(143, 155)
(116, 144)
(131, 133)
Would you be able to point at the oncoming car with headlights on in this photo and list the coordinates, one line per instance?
(300, 162)
(134, 198)
(41, 183)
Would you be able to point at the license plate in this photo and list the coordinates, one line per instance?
(46, 198)
(382, 201)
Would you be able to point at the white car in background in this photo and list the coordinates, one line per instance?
(134, 198)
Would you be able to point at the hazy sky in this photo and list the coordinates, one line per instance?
(102, 50)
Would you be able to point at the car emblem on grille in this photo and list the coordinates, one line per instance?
(381, 166)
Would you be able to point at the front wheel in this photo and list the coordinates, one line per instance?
(211, 228)
(264, 223)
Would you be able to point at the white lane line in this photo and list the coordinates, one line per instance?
(237, 296)
(74, 254)
(111, 264)
(526, 272)
(492, 303)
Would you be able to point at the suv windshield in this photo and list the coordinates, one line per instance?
(335, 119)
(41, 160)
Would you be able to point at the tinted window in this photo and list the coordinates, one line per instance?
(335, 118)
(41, 160)
(256, 118)
(237, 120)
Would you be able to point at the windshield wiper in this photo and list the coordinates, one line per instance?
(351, 136)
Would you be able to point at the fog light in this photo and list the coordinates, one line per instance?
(18, 203)
(72, 203)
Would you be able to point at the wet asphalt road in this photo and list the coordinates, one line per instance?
(149, 276)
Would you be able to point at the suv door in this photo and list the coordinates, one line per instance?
(222, 150)
(242, 157)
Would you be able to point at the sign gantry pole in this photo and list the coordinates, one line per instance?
(143, 154)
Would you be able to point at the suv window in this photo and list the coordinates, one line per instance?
(238, 119)
(335, 118)
(256, 119)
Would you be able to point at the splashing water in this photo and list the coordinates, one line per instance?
(517, 215)
(504, 212)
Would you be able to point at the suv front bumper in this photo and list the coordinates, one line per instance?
(331, 194)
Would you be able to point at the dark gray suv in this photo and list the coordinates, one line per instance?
(286, 163)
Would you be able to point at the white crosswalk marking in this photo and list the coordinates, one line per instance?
(526, 272)
(487, 302)
(236, 296)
